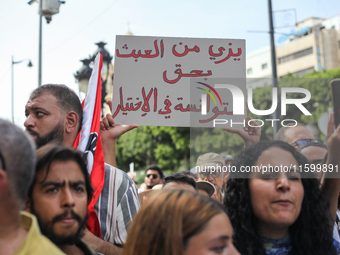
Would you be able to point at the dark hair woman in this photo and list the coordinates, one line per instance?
(274, 207)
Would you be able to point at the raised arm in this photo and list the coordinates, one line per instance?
(109, 132)
(331, 183)
(250, 134)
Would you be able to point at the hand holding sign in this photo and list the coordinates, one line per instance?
(108, 124)
(109, 132)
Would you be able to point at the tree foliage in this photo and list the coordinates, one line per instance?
(317, 83)
(166, 146)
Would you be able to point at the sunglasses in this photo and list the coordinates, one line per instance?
(2, 162)
(302, 142)
(154, 176)
(215, 174)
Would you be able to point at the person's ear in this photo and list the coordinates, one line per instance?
(71, 120)
(27, 207)
(3, 182)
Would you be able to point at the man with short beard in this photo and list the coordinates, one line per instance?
(54, 114)
(59, 195)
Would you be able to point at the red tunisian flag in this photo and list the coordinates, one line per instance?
(88, 141)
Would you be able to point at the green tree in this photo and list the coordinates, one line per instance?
(318, 83)
(166, 146)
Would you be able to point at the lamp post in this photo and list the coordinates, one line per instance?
(107, 58)
(40, 43)
(12, 83)
(47, 8)
(84, 73)
(276, 114)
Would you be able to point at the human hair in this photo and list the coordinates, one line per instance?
(18, 159)
(156, 168)
(50, 153)
(188, 173)
(281, 134)
(164, 225)
(310, 233)
(180, 178)
(66, 97)
(318, 144)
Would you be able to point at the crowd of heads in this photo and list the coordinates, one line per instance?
(201, 211)
(52, 183)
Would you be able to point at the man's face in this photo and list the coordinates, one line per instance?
(44, 119)
(152, 178)
(59, 201)
(294, 134)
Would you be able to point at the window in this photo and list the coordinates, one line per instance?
(264, 66)
(249, 71)
(295, 55)
(301, 72)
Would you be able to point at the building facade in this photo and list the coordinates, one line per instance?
(313, 45)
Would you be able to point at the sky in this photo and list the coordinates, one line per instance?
(73, 32)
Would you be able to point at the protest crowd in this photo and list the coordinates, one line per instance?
(50, 203)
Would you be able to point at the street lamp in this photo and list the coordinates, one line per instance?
(47, 8)
(84, 73)
(107, 58)
(12, 85)
(276, 114)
